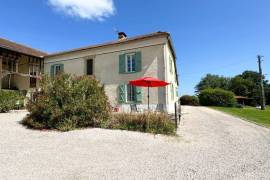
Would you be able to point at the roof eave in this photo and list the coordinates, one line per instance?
(108, 44)
(174, 54)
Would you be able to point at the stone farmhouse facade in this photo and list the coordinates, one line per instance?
(114, 64)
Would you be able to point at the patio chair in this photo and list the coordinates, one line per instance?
(160, 108)
(133, 108)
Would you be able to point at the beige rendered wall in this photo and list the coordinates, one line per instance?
(106, 66)
(22, 83)
(170, 76)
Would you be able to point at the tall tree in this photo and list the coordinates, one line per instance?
(253, 85)
(241, 86)
(213, 81)
(267, 93)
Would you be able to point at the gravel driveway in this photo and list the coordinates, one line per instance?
(211, 145)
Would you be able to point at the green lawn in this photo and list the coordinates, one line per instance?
(249, 113)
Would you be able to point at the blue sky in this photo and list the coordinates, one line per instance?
(211, 36)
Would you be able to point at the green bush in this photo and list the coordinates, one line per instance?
(189, 100)
(217, 97)
(10, 99)
(67, 102)
(156, 123)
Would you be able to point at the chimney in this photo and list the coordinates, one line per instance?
(122, 35)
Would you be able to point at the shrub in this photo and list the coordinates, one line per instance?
(217, 97)
(67, 102)
(10, 99)
(156, 123)
(189, 100)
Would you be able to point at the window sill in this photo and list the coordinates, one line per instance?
(129, 73)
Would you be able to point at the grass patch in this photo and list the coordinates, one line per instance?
(155, 123)
(10, 99)
(250, 113)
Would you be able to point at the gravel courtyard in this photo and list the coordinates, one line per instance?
(211, 145)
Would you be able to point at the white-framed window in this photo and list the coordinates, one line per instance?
(57, 69)
(171, 64)
(130, 63)
(34, 69)
(131, 93)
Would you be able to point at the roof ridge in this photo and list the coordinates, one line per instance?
(19, 46)
(111, 42)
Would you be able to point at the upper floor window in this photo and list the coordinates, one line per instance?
(171, 64)
(130, 63)
(89, 67)
(57, 69)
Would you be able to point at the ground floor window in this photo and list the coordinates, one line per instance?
(33, 80)
(34, 71)
(131, 93)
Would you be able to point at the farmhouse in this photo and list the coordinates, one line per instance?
(19, 66)
(114, 64)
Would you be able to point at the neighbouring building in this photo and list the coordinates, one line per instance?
(114, 64)
(20, 66)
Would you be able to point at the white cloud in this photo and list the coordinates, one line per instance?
(85, 9)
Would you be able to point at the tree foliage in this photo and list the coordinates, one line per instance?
(246, 84)
(213, 81)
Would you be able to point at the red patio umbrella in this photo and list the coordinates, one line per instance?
(148, 82)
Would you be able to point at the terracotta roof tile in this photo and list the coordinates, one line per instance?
(6, 44)
(112, 43)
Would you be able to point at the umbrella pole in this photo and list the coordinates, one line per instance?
(148, 108)
(148, 99)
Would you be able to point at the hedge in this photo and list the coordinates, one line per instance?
(217, 97)
(190, 100)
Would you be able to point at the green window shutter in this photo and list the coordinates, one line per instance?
(62, 67)
(52, 71)
(122, 93)
(122, 63)
(138, 64)
(138, 94)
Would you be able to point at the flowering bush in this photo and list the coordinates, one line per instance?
(67, 102)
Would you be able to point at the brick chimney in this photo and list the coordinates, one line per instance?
(122, 35)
